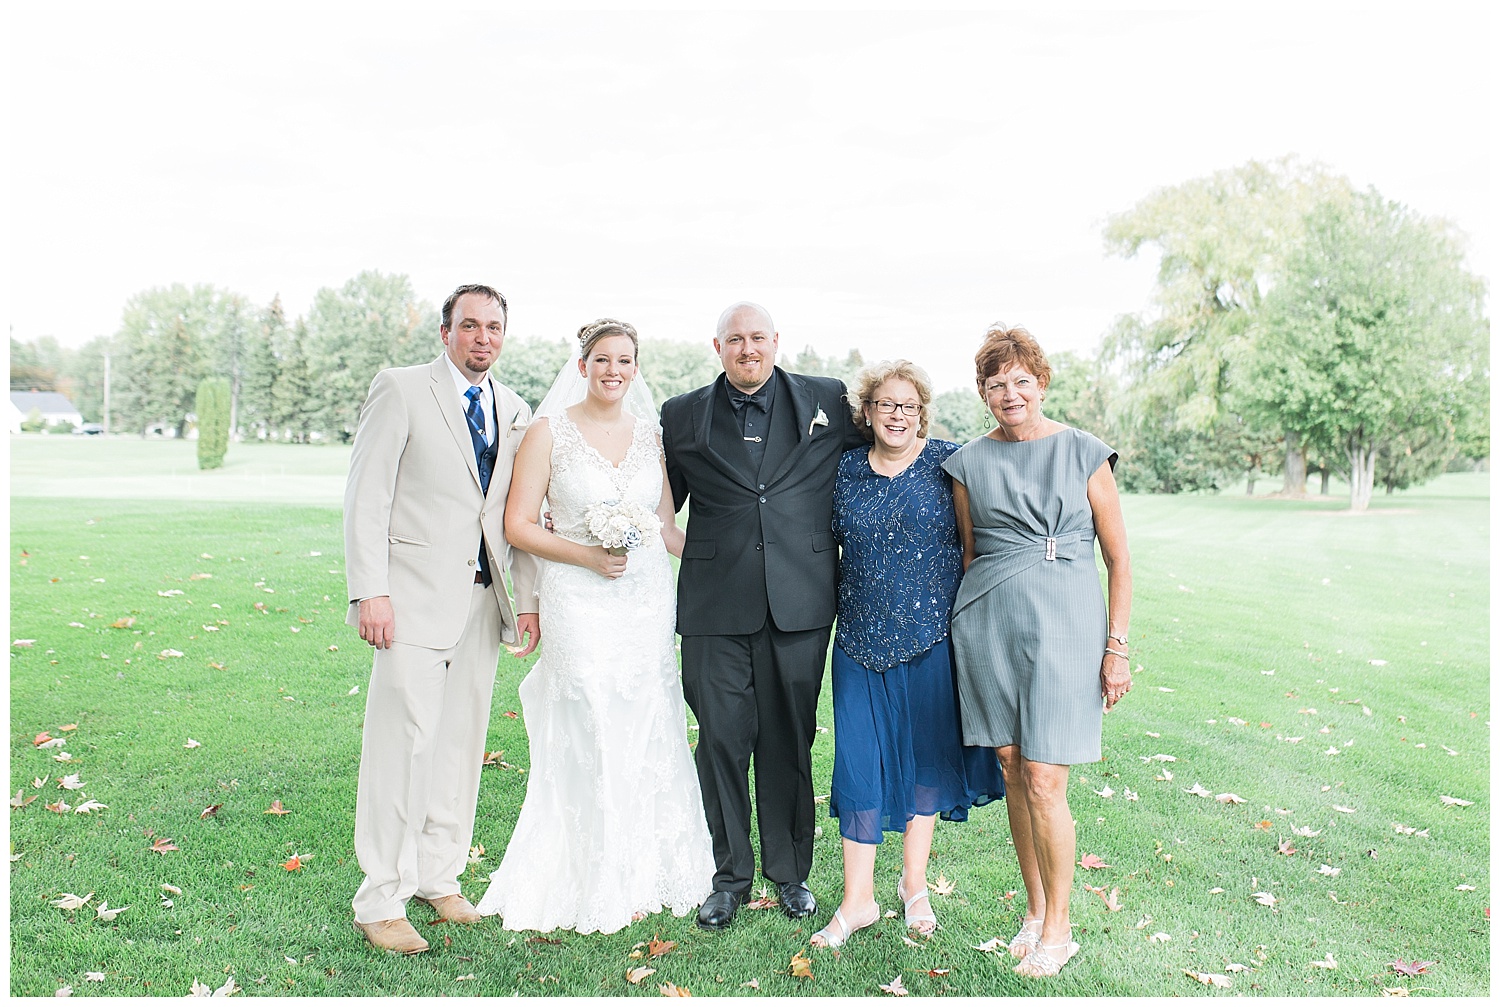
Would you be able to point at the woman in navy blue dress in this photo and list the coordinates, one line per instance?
(899, 760)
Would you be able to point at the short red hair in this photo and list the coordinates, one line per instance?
(1004, 347)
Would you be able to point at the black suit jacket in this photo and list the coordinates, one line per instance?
(758, 543)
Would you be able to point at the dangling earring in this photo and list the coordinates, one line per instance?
(989, 420)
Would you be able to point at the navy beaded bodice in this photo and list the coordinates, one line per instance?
(901, 562)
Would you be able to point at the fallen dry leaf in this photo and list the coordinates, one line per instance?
(894, 987)
(192, 744)
(635, 975)
(21, 799)
(658, 947)
(993, 944)
(67, 900)
(1394, 991)
(1236, 967)
(1415, 967)
(1328, 871)
(1111, 898)
(123, 623)
(171, 888)
(210, 811)
(1264, 898)
(1285, 848)
(801, 966)
(64, 991)
(169, 652)
(276, 809)
(938, 973)
(1455, 802)
(60, 806)
(1209, 978)
(1326, 963)
(764, 902)
(94, 977)
(295, 862)
(673, 990)
(163, 845)
(44, 738)
(103, 912)
(1159, 937)
(1197, 790)
(89, 805)
(70, 782)
(1343, 810)
(1091, 862)
(753, 984)
(1229, 799)
(942, 886)
(1305, 832)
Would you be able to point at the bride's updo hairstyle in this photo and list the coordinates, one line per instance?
(601, 328)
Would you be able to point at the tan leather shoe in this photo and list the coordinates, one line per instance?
(397, 935)
(454, 909)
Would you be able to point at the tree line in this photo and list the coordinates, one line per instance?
(1295, 325)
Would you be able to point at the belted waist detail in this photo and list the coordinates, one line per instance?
(1006, 552)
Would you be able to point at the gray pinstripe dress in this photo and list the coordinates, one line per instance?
(1029, 622)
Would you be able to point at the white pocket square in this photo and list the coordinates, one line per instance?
(820, 420)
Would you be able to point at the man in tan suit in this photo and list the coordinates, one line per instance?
(425, 551)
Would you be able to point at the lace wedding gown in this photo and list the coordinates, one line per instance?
(613, 819)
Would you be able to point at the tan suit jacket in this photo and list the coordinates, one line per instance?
(413, 509)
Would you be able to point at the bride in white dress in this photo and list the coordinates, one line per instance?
(612, 827)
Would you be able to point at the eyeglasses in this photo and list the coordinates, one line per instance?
(886, 407)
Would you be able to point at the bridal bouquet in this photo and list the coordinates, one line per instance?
(620, 527)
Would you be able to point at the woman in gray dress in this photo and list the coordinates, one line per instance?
(1034, 642)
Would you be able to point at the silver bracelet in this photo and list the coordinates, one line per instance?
(1117, 653)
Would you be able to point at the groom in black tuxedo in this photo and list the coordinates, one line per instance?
(756, 451)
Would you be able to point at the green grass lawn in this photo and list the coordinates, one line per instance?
(249, 590)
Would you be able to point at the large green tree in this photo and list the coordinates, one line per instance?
(164, 334)
(1222, 242)
(1374, 339)
(372, 322)
(291, 414)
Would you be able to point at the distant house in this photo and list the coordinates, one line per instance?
(54, 408)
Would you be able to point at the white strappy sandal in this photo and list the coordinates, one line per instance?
(915, 921)
(1026, 939)
(830, 940)
(1042, 963)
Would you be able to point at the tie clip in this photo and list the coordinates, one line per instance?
(755, 439)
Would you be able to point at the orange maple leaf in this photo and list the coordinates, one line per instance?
(40, 738)
(801, 966)
(659, 947)
(295, 863)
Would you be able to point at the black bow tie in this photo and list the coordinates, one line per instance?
(756, 398)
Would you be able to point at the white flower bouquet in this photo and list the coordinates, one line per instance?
(621, 527)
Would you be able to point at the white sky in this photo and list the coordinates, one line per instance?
(892, 181)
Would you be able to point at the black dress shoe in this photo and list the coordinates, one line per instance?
(718, 910)
(796, 900)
